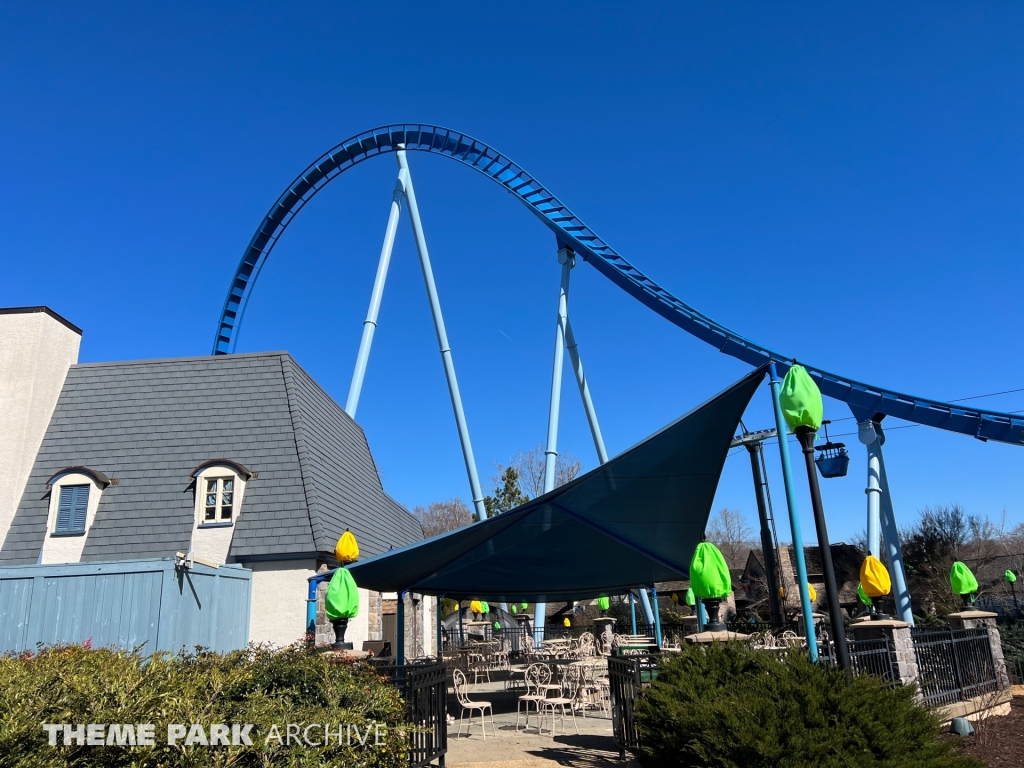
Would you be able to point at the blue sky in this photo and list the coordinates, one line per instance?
(841, 184)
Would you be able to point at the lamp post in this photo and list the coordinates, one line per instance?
(963, 583)
(1011, 579)
(802, 408)
(710, 581)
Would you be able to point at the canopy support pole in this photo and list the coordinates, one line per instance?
(440, 624)
(462, 634)
(568, 260)
(370, 323)
(632, 611)
(400, 630)
(698, 608)
(657, 616)
(442, 338)
(767, 544)
(794, 517)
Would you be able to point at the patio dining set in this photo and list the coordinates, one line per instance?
(553, 681)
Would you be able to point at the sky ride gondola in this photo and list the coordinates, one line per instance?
(833, 461)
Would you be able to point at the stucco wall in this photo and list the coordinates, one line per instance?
(279, 589)
(35, 353)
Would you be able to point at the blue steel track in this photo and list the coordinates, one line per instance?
(864, 400)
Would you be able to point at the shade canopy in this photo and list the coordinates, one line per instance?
(633, 521)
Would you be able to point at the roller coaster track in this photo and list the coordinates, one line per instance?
(864, 400)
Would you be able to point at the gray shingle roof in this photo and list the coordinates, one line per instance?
(150, 423)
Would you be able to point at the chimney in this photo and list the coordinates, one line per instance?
(37, 347)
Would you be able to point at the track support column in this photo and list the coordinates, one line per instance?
(568, 260)
(866, 434)
(370, 323)
(581, 382)
(442, 338)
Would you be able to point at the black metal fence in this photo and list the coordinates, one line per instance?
(424, 688)
(627, 676)
(954, 664)
(867, 657)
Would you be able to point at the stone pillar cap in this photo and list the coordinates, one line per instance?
(715, 637)
(881, 623)
(972, 614)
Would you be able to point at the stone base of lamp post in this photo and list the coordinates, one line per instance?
(339, 644)
(477, 630)
(604, 632)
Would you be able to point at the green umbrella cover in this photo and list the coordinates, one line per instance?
(709, 574)
(342, 599)
(691, 599)
(603, 602)
(801, 399)
(1011, 577)
(962, 580)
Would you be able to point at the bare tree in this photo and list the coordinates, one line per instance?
(728, 530)
(443, 516)
(529, 466)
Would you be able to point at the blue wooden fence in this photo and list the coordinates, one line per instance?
(125, 604)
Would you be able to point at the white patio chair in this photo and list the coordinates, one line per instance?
(465, 702)
(565, 702)
(537, 676)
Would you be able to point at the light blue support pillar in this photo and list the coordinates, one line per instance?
(632, 611)
(440, 633)
(657, 616)
(702, 617)
(794, 517)
(400, 621)
(645, 605)
(581, 382)
(442, 338)
(567, 260)
(866, 434)
(891, 536)
(370, 323)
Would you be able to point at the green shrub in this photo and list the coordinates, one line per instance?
(730, 705)
(71, 684)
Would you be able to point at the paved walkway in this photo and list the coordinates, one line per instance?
(505, 747)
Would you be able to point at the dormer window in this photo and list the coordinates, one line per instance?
(74, 500)
(219, 502)
(72, 507)
(219, 488)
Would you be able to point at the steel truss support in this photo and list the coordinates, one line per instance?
(370, 323)
(442, 337)
(404, 188)
(882, 518)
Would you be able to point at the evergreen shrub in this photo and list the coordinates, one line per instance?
(731, 705)
(74, 684)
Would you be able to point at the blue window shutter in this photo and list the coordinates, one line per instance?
(79, 507)
(67, 493)
(72, 508)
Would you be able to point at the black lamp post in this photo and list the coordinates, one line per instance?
(806, 437)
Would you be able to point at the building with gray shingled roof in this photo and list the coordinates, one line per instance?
(148, 437)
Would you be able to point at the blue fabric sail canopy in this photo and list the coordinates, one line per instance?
(633, 521)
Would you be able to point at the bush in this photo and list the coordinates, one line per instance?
(72, 684)
(730, 705)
